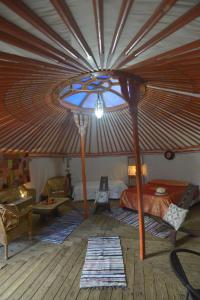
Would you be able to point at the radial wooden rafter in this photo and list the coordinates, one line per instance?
(98, 14)
(13, 30)
(64, 11)
(21, 61)
(159, 12)
(31, 117)
(123, 14)
(192, 14)
(26, 13)
(29, 46)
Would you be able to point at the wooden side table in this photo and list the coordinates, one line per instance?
(45, 210)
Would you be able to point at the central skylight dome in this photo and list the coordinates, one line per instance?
(83, 93)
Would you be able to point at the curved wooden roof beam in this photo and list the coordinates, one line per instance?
(13, 65)
(32, 47)
(8, 57)
(123, 14)
(180, 77)
(98, 14)
(159, 12)
(15, 69)
(171, 54)
(64, 12)
(13, 30)
(27, 14)
(190, 15)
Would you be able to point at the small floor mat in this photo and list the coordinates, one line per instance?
(103, 265)
(62, 227)
(130, 217)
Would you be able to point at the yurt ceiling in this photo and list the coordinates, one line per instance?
(53, 53)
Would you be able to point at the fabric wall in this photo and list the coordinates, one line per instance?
(111, 166)
(185, 166)
(43, 168)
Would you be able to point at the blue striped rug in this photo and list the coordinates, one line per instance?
(61, 228)
(130, 217)
(103, 265)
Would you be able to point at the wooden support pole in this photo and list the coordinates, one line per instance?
(81, 122)
(85, 203)
(134, 90)
(131, 89)
(138, 183)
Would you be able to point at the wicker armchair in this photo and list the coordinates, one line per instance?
(13, 223)
(57, 187)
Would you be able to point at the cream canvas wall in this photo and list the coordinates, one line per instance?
(115, 167)
(43, 168)
(185, 166)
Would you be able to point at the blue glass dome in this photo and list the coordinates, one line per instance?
(83, 93)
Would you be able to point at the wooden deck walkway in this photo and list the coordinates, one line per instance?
(47, 271)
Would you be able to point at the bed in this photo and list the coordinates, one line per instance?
(116, 187)
(182, 194)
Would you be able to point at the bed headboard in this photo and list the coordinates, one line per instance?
(169, 182)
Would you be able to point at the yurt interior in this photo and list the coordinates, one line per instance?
(99, 149)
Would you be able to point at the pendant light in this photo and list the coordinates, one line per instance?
(99, 107)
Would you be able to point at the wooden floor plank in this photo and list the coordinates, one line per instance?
(94, 294)
(21, 278)
(116, 294)
(160, 286)
(34, 274)
(57, 274)
(10, 282)
(149, 282)
(84, 294)
(128, 251)
(73, 292)
(9, 270)
(66, 286)
(71, 259)
(45, 269)
(139, 292)
(105, 294)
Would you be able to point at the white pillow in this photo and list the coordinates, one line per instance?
(175, 216)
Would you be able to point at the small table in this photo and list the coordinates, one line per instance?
(44, 210)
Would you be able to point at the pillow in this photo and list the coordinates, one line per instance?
(175, 216)
(169, 182)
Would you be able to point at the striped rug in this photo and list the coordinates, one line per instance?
(103, 265)
(130, 217)
(61, 228)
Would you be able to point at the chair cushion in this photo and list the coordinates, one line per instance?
(102, 197)
(9, 215)
(56, 186)
(175, 216)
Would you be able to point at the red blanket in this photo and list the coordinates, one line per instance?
(152, 204)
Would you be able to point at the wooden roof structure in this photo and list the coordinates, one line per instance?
(45, 43)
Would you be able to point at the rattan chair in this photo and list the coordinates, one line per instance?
(13, 223)
(192, 293)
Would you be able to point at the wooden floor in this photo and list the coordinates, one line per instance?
(40, 270)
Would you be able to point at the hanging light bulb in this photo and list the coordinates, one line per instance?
(99, 109)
